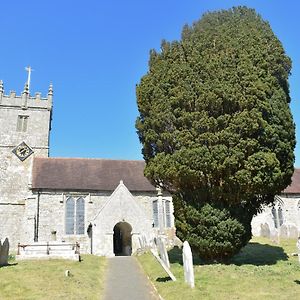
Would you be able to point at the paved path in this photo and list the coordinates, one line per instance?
(125, 280)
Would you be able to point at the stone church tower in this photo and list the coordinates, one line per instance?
(24, 134)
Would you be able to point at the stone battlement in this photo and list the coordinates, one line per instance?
(25, 100)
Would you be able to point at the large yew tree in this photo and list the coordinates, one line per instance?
(216, 126)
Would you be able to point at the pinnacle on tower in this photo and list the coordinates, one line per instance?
(1, 90)
(50, 91)
(26, 89)
(1, 86)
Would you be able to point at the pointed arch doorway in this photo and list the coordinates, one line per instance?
(122, 239)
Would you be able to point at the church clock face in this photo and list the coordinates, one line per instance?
(22, 151)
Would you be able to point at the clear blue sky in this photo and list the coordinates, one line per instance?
(95, 52)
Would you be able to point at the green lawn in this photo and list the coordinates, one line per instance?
(263, 270)
(47, 280)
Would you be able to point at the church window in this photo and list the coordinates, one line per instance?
(74, 217)
(70, 208)
(22, 123)
(80, 216)
(155, 213)
(277, 216)
(168, 213)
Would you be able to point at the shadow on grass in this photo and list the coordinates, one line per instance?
(163, 279)
(252, 254)
(9, 265)
(297, 281)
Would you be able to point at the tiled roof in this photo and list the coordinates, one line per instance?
(294, 187)
(88, 174)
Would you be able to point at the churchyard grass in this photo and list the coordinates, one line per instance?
(47, 280)
(263, 270)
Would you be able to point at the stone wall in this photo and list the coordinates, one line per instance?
(264, 221)
(51, 207)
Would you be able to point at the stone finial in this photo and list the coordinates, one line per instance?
(25, 96)
(159, 191)
(50, 91)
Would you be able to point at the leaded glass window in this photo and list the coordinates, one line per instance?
(80, 216)
(168, 213)
(155, 213)
(74, 216)
(70, 209)
(277, 216)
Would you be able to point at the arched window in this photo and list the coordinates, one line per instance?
(168, 213)
(74, 216)
(155, 213)
(80, 216)
(277, 216)
(280, 216)
(70, 209)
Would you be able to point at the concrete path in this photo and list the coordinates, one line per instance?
(125, 280)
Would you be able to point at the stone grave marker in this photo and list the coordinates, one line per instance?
(298, 247)
(293, 232)
(4, 250)
(162, 251)
(188, 264)
(265, 230)
(283, 231)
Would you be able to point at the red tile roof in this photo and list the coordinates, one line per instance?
(88, 174)
(294, 187)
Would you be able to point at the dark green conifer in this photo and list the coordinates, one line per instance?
(215, 124)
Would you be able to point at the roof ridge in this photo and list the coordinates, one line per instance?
(88, 158)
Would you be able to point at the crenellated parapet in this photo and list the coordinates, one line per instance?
(25, 100)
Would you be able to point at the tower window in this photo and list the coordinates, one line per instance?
(22, 123)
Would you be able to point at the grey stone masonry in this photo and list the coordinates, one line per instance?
(24, 119)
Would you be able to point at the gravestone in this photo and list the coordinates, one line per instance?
(298, 247)
(265, 230)
(188, 264)
(4, 250)
(283, 231)
(293, 232)
(162, 251)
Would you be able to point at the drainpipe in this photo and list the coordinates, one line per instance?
(36, 238)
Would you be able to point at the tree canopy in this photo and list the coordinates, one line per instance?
(214, 116)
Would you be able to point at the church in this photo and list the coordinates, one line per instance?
(107, 206)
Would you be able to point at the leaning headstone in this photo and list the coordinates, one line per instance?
(168, 271)
(162, 251)
(4, 250)
(188, 264)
